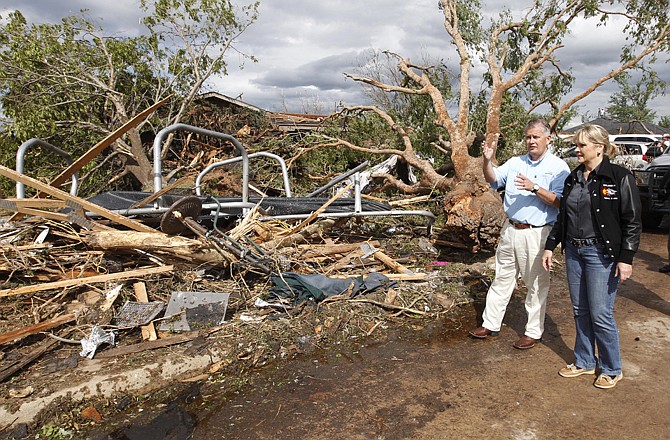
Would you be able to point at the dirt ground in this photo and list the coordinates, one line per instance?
(430, 381)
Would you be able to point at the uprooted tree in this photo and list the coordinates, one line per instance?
(72, 84)
(521, 56)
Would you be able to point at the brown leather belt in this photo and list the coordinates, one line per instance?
(524, 225)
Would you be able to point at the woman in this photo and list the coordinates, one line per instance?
(599, 229)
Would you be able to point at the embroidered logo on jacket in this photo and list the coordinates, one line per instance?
(609, 192)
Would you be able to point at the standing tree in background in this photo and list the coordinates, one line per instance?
(71, 84)
(631, 102)
(521, 55)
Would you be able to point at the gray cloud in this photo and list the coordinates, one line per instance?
(304, 47)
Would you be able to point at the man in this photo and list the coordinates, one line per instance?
(666, 140)
(533, 186)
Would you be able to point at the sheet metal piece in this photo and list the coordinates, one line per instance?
(195, 310)
(134, 314)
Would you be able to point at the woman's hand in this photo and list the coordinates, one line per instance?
(546, 260)
(623, 271)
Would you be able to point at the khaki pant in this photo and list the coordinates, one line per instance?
(519, 254)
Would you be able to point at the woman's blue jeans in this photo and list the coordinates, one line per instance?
(593, 287)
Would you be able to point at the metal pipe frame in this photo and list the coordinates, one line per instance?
(157, 150)
(21, 163)
(284, 170)
(161, 210)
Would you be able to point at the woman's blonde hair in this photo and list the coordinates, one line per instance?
(596, 135)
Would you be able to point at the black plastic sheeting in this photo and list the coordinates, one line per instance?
(317, 287)
(273, 206)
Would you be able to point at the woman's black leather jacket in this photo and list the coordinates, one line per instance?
(615, 208)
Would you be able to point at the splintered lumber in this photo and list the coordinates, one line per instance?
(148, 331)
(162, 191)
(392, 264)
(159, 343)
(78, 164)
(182, 248)
(73, 201)
(323, 207)
(33, 329)
(58, 216)
(87, 280)
(12, 204)
(106, 142)
(301, 236)
(319, 250)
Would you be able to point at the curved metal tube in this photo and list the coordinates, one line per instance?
(284, 170)
(158, 177)
(21, 163)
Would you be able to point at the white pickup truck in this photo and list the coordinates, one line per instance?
(630, 154)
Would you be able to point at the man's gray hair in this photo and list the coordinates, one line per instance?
(538, 122)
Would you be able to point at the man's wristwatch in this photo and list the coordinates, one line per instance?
(535, 189)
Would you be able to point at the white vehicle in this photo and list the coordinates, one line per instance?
(630, 154)
(634, 137)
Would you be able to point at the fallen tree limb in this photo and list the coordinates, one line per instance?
(182, 248)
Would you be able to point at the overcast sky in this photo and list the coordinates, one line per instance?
(305, 46)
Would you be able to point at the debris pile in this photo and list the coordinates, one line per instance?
(113, 287)
(86, 287)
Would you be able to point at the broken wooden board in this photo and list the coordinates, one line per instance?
(317, 250)
(106, 142)
(86, 280)
(37, 328)
(392, 264)
(74, 201)
(148, 331)
(13, 204)
(152, 345)
(162, 191)
(43, 347)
